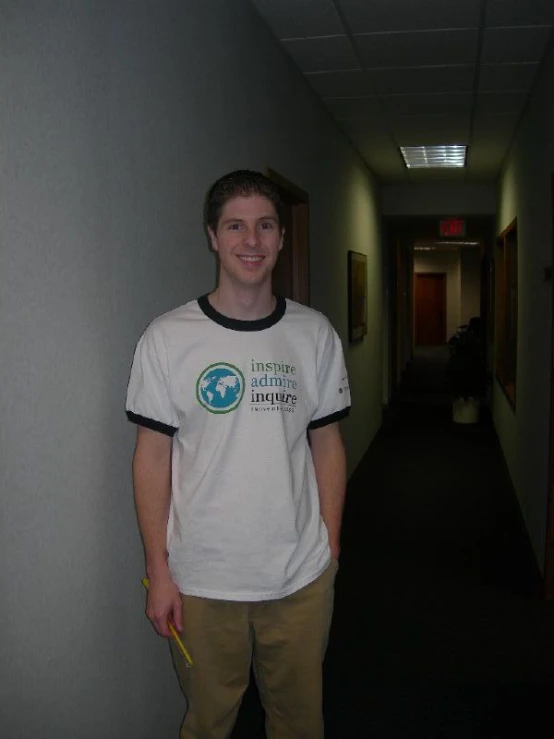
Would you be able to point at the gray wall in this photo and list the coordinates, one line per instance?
(525, 194)
(115, 117)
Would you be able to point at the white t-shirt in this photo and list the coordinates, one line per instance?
(238, 397)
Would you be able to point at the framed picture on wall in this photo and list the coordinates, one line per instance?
(357, 295)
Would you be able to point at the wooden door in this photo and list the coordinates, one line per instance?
(430, 309)
(282, 278)
(291, 276)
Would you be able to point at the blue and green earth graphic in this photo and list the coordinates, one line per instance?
(220, 388)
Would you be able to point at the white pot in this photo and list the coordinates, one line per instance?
(465, 410)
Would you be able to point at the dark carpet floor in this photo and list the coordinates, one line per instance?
(439, 631)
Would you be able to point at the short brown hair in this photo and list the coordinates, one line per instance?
(241, 182)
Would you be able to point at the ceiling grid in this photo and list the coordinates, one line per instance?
(399, 73)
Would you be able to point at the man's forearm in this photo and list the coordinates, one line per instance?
(152, 485)
(152, 490)
(330, 467)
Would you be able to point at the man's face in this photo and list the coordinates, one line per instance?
(248, 239)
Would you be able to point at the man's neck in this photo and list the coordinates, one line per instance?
(244, 304)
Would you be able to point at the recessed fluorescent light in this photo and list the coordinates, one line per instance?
(435, 244)
(424, 157)
(460, 243)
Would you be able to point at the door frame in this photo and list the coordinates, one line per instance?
(298, 201)
(548, 582)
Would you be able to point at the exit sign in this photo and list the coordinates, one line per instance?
(452, 227)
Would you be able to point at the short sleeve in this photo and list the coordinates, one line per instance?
(332, 380)
(148, 393)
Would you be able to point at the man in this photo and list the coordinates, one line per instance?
(239, 476)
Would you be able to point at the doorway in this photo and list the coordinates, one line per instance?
(430, 308)
(291, 276)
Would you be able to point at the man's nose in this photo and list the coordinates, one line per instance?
(251, 237)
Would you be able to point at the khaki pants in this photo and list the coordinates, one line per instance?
(284, 639)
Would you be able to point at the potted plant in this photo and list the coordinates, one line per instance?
(466, 373)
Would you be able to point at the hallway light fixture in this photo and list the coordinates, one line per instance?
(460, 243)
(443, 242)
(425, 157)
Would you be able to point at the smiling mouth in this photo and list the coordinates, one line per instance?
(250, 259)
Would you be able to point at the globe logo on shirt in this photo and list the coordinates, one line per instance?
(220, 388)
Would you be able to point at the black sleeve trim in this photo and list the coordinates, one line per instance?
(149, 423)
(326, 420)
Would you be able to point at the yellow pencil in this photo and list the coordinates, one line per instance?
(173, 631)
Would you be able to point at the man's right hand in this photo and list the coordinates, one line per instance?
(164, 604)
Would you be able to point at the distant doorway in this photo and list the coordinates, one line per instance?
(430, 308)
(291, 276)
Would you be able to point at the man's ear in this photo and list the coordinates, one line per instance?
(213, 238)
(282, 239)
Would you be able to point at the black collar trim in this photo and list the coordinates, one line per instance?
(234, 324)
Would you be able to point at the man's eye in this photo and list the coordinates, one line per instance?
(267, 225)
(234, 226)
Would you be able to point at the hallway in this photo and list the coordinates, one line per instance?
(115, 124)
(439, 629)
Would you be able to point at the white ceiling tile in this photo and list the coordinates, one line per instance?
(348, 83)
(514, 77)
(480, 145)
(300, 18)
(322, 54)
(369, 129)
(482, 175)
(518, 13)
(490, 126)
(368, 16)
(433, 48)
(478, 175)
(499, 102)
(406, 80)
(353, 107)
(514, 44)
(438, 174)
(455, 103)
(386, 177)
(385, 163)
(430, 130)
(488, 153)
(430, 137)
(493, 121)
